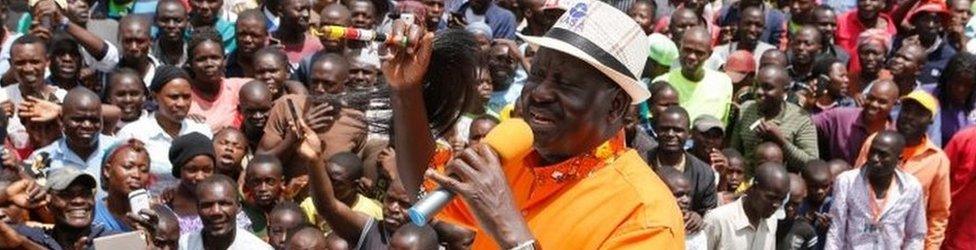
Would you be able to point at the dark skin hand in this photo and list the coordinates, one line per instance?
(404, 69)
(345, 222)
(453, 236)
(481, 182)
(693, 222)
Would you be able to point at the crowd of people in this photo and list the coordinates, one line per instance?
(557, 124)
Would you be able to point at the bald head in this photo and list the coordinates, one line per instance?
(891, 139)
(255, 91)
(769, 152)
(773, 57)
(335, 14)
(773, 74)
(798, 187)
(412, 237)
(307, 238)
(697, 35)
(252, 15)
(773, 177)
(80, 97)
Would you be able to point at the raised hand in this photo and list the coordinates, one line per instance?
(481, 182)
(405, 66)
(39, 110)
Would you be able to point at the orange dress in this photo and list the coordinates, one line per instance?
(606, 199)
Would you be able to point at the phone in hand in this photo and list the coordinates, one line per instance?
(138, 200)
(294, 115)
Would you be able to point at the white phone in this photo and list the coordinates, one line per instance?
(138, 200)
(128, 241)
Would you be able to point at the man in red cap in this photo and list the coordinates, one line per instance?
(929, 21)
(741, 68)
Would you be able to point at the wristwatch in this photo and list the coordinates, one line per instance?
(528, 245)
(63, 24)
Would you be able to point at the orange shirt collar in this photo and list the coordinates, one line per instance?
(550, 179)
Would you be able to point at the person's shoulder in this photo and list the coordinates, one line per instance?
(635, 183)
(718, 78)
(910, 181)
(247, 240)
(49, 149)
(722, 212)
(848, 176)
(194, 126)
(699, 166)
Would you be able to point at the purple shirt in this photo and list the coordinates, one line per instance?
(901, 224)
(841, 132)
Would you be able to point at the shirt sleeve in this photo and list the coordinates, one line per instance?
(108, 62)
(915, 226)
(838, 211)
(938, 206)
(803, 148)
(712, 231)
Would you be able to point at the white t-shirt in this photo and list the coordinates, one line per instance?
(243, 240)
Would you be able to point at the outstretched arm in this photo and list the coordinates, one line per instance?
(345, 222)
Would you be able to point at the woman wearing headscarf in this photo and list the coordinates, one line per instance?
(171, 89)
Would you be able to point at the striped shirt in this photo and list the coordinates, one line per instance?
(798, 131)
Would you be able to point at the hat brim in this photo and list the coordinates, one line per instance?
(736, 76)
(634, 88)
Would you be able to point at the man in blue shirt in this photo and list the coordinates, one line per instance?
(83, 144)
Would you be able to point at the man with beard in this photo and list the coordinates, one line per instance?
(83, 145)
(218, 205)
(842, 131)
(924, 160)
(503, 63)
(263, 184)
(805, 46)
(169, 46)
(700, 90)
(825, 19)
(681, 20)
(878, 206)
(772, 119)
(293, 32)
(136, 41)
(574, 107)
(435, 15)
(255, 102)
(748, 222)
(750, 26)
(774, 32)
(671, 128)
(539, 16)
(364, 68)
(501, 21)
(252, 35)
(72, 203)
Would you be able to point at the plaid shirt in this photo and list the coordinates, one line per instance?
(795, 124)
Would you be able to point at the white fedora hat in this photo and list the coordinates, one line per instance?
(603, 37)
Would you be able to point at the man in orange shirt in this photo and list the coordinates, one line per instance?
(562, 178)
(924, 160)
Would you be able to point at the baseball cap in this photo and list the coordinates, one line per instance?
(931, 6)
(663, 50)
(739, 64)
(925, 99)
(705, 123)
(62, 178)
